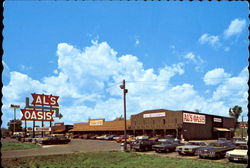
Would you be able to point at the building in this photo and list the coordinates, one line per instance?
(100, 127)
(186, 124)
(182, 124)
(60, 128)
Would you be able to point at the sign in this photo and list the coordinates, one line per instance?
(217, 120)
(37, 115)
(59, 124)
(96, 122)
(46, 100)
(42, 129)
(194, 118)
(151, 115)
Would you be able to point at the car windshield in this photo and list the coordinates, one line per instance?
(193, 143)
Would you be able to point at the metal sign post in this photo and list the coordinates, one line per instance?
(15, 107)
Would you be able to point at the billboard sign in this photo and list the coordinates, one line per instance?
(42, 129)
(151, 115)
(45, 100)
(37, 115)
(217, 120)
(96, 122)
(194, 118)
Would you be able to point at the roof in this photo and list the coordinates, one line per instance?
(107, 126)
(59, 130)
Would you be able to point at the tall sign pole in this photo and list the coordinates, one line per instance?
(123, 86)
(15, 107)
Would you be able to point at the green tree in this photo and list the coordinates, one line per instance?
(235, 112)
(18, 125)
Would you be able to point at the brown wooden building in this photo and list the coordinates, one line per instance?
(100, 127)
(186, 124)
(60, 128)
(182, 124)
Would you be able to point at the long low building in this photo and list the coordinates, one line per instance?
(181, 124)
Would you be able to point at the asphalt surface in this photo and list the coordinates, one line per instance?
(75, 146)
(82, 145)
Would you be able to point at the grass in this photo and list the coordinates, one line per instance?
(8, 146)
(113, 160)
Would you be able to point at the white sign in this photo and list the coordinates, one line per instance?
(194, 118)
(95, 122)
(217, 120)
(150, 115)
(44, 129)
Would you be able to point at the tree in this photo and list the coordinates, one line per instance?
(197, 110)
(18, 125)
(235, 112)
(119, 118)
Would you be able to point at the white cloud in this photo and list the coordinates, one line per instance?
(236, 27)
(137, 42)
(214, 41)
(215, 76)
(195, 59)
(88, 80)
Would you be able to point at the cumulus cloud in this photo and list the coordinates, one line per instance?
(236, 27)
(87, 81)
(195, 59)
(215, 76)
(214, 41)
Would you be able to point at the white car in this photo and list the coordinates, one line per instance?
(238, 154)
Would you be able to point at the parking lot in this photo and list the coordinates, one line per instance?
(83, 145)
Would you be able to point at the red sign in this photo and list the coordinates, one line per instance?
(46, 100)
(37, 115)
(194, 118)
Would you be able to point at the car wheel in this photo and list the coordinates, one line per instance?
(146, 148)
(202, 157)
(167, 150)
(180, 153)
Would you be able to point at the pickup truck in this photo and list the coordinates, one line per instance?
(215, 150)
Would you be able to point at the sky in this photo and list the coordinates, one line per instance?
(172, 55)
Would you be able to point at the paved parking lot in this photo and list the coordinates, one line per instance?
(81, 145)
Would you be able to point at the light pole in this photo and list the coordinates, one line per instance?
(123, 86)
(15, 107)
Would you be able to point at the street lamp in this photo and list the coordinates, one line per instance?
(123, 86)
(15, 107)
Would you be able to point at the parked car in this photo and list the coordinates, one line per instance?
(93, 136)
(27, 139)
(101, 137)
(190, 147)
(238, 154)
(142, 145)
(85, 136)
(74, 136)
(54, 139)
(166, 145)
(215, 149)
(129, 138)
(109, 137)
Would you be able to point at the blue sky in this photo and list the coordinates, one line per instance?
(174, 55)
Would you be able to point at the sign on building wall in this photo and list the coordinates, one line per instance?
(217, 120)
(96, 122)
(151, 115)
(43, 129)
(194, 118)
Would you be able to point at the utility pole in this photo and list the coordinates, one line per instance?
(241, 125)
(15, 107)
(123, 86)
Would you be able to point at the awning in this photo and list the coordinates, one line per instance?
(221, 129)
(59, 130)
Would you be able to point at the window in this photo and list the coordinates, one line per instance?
(164, 121)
